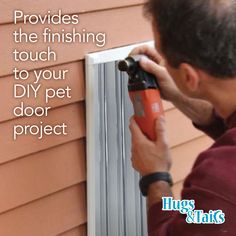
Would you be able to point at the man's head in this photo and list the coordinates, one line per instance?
(196, 35)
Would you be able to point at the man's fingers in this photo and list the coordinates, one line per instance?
(161, 131)
(148, 51)
(151, 67)
(136, 132)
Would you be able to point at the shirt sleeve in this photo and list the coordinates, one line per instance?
(158, 220)
(215, 129)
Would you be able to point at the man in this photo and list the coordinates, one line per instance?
(196, 40)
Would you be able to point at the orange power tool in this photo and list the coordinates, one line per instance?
(144, 93)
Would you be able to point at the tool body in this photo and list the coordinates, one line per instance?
(145, 95)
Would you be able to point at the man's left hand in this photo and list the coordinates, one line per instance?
(150, 156)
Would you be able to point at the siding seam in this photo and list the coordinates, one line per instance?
(48, 195)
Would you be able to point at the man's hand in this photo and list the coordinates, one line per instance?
(199, 111)
(147, 156)
(155, 66)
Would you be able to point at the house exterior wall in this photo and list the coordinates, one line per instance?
(43, 183)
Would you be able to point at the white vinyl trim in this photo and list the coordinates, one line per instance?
(113, 54)
(93, 123)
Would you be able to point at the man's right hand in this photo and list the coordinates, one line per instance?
(154, 64)
(199, 111)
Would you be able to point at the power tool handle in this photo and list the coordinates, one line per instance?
(147, 107)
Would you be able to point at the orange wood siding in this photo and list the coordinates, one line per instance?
(44, 216)
(75, 79)
(51, 167)
(186, 143)
(117, 35)
(43, 183)
(80, 6)
(179, 128)
(78, 231)
(185, 154)
(73, 115)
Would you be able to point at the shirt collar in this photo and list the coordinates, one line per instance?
(231, 121)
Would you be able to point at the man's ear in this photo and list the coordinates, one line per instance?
(189, 77)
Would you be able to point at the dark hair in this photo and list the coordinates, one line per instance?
(199, 32)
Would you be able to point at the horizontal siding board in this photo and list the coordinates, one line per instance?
(78, 231)
(51, 215)
(74, 79)
(50, 170)
(75, 6)
(117, 35)
(179, 128)
(73, 115)
(185, 155)
(167, 105)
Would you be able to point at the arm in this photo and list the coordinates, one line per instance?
(154, 156)
(202, 115)
(199, 111)
(149, 157)
(156, 191)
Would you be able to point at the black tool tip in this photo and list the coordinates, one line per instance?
(123, 65)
